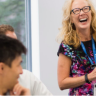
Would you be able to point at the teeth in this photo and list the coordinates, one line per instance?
(83, 19)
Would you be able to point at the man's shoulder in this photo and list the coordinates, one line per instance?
(30, 81)
(26, 76)
(26, 72)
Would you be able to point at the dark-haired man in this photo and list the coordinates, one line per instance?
(27, 79)
(10, 65)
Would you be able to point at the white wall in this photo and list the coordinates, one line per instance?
(94, 3)
(50, 18)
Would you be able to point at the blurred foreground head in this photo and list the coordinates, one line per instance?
(10, 61)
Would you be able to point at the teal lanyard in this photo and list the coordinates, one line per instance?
(94, 51)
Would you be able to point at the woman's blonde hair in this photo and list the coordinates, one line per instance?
(68, 33)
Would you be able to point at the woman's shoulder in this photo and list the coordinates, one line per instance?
(66, 50)
(69, 47)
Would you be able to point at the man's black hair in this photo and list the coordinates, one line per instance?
(9, 49)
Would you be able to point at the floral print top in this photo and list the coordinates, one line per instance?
(80, 66)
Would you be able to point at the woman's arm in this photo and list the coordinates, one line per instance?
(66, 82)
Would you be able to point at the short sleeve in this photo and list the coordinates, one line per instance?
(66, 50)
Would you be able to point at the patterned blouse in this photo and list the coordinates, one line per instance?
(80, 66)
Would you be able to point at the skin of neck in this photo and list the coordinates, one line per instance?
(84, 34)
(2, 89)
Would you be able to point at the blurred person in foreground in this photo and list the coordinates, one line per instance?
(27, 79)
(10, 66)
(77, 51)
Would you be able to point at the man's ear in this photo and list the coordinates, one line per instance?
(1, 67)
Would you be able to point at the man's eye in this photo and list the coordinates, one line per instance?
(21, 63)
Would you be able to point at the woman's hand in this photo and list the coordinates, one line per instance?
(19, 90)
(92, 75)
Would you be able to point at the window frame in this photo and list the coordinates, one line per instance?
(28, 34)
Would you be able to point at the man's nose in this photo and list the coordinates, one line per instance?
(21, 70)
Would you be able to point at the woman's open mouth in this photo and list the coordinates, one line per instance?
(83, 20)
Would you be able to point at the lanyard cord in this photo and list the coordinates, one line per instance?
(94, 51)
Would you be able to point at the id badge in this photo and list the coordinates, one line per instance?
(94, 90)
